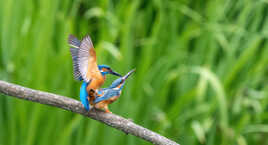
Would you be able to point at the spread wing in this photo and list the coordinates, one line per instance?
(87, 63)
(75, 44)
(107, 95)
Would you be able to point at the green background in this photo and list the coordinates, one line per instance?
(202, 69)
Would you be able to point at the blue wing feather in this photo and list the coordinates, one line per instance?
(107, 95)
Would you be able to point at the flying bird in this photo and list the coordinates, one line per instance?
(85, 68)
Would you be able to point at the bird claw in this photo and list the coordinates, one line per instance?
(108, 111)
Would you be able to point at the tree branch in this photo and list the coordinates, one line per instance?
(75, 106)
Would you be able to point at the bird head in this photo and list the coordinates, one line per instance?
(119, 83)
(104, 69)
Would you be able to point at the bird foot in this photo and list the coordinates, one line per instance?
(107, 111)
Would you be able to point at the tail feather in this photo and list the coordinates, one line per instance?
(84, 96)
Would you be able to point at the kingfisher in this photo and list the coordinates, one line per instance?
(108, 95)
(85, 68)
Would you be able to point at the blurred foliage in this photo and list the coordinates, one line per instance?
(202, 69)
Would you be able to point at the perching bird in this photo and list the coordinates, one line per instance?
(85, 68)
(108, 95)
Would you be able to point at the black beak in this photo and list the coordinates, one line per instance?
(128, 74)
(115, 73)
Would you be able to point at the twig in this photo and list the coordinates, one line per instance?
(75, 106)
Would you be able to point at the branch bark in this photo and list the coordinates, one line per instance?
(75, 106)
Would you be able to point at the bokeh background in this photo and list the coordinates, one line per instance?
(202, 69)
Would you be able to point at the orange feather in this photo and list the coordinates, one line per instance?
(103, 105)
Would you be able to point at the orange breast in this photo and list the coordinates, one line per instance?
(96, 83)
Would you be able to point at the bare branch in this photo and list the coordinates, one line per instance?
(75, 106)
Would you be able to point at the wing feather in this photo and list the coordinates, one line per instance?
(75, 44)
(87, 63)
(107, 95)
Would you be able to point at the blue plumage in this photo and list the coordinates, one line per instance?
(104, 69)
(114, 90)
(103, 66)
(116, 83)
(107, 94)
(84, 95)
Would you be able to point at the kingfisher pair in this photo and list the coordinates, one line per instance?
(85, 69)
